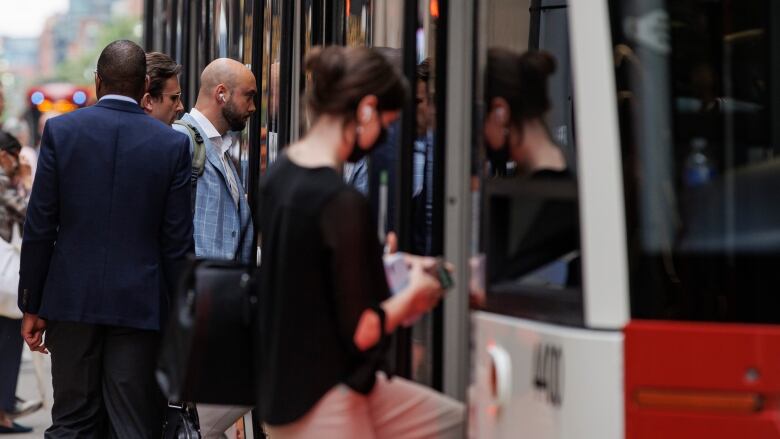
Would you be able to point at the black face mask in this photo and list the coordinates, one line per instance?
(498, 158)
(358, 153)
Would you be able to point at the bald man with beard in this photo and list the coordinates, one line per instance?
(222, 220)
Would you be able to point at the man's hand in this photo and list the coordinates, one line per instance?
(32, 332)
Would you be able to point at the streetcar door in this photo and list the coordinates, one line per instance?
(546, 361)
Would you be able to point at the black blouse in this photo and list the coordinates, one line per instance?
(321, 268)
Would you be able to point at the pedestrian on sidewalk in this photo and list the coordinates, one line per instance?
(13, 206)
(113, 191)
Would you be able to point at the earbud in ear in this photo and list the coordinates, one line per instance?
(222, 96)
(366, 113)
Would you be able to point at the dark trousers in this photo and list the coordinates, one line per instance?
(103, 379)
(10, 361)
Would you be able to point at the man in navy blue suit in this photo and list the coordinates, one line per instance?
(108, 225)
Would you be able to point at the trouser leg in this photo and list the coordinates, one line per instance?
(76, 353)
(341, 413)
(134, 403)
(401, 408)
(10, 360)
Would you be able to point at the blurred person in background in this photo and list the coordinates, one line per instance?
(163, 97)
(13, 204)
(45, 117)
(322, 273)
(13, 207)
(28, 155)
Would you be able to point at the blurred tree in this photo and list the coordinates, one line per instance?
(79, 70)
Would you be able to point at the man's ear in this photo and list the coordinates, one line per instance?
(146, 103)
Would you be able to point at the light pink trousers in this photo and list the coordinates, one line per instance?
(395, 408)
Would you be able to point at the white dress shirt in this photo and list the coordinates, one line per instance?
(119, 98)
(222, 143)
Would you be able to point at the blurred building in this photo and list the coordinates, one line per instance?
(75, 32)
(18, 61)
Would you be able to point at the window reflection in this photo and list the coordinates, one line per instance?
(530, 225)
(699, 137)
(541, 243)
(358, 23)
(269, 105)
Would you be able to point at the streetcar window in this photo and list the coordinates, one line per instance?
(700, 130)
(530, 218)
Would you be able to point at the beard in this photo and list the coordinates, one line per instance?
(235, 120)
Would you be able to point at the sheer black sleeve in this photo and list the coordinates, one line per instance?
(356, 259)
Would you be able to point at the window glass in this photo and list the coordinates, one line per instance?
(527, 164)
(427, 181)
(220, 29)
(312, 21)
(358, 22)
(243, 29)
(699, 133)
(270, 89)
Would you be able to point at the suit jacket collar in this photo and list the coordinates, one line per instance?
(116, 104)
(211, 151)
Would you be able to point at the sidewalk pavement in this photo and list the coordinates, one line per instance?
(28, 388)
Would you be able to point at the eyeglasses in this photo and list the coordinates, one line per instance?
(175, 97)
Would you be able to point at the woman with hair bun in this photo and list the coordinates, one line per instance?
(516, 98)
(325, 308)
(517, 101)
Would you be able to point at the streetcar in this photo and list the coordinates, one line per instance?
(54, 98)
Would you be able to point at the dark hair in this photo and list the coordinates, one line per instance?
(392, 54)
(424, 70)
(9, 143)
(122, 68)
(160, 68)
(342, 76)
(521, 80)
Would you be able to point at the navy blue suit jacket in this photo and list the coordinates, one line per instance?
(109, 220)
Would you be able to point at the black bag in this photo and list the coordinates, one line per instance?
(181, 422)
(207, 349)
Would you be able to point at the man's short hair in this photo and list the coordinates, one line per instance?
(160, 68)
(122, 68)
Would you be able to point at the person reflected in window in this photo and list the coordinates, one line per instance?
(517, 101)
(422, 198)
(517, 137)
(325, 306)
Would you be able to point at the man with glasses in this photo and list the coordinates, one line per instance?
(162, 99)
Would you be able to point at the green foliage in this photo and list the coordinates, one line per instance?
(79, 69)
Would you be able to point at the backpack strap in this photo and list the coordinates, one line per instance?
(198, 157)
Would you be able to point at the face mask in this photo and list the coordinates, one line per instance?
(358, 153)
(498, 158)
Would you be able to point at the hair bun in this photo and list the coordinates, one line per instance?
(540, 62)
(326, 64)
